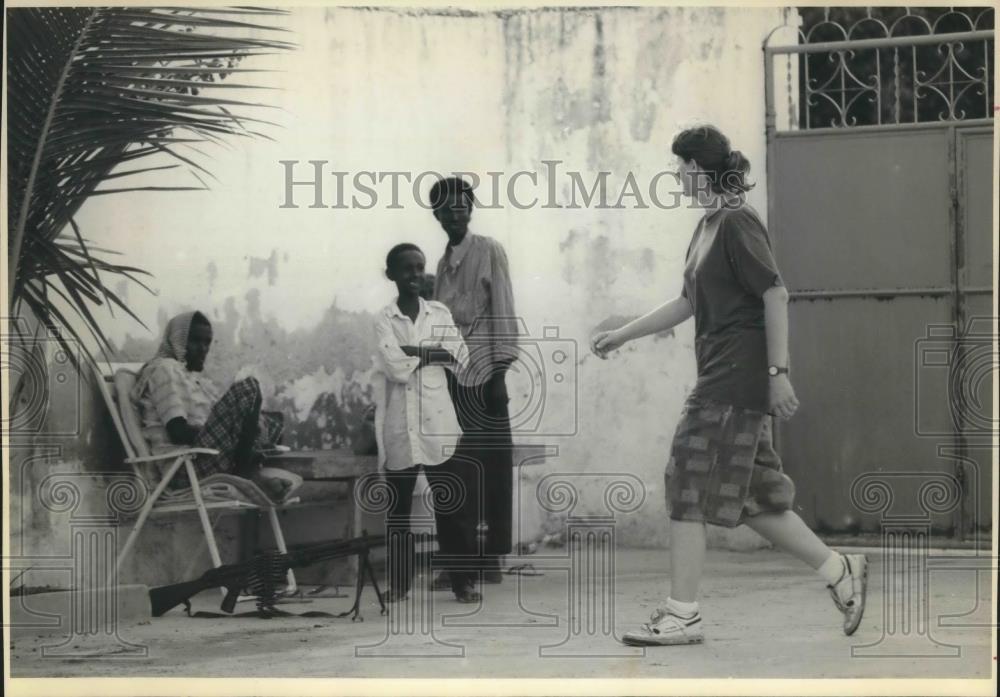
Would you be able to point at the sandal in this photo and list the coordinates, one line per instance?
(524, 570)
(468, 595)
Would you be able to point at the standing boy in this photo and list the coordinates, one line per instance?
(415, 424)
(473, 281)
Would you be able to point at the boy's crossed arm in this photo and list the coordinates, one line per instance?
(447, 348)
(430, 355)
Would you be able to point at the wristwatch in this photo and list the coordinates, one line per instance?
(774, 370)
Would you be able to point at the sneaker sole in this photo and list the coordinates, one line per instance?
(853, 627)
(685, 641)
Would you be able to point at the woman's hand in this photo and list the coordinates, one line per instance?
(783, 400)
(605, 342)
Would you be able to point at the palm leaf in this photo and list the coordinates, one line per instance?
(91, 89)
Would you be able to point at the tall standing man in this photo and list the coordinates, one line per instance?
(473, 281)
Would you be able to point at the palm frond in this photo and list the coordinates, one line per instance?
(91, 89)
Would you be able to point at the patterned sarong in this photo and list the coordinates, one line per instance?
(238, 429)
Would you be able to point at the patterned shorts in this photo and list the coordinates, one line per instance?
(723, 467)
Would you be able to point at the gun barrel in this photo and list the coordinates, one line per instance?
(310, 554)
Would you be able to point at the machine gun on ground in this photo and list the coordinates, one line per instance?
(265, 574)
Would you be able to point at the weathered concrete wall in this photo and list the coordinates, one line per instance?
(292, 291)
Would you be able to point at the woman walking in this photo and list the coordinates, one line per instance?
(723, 469)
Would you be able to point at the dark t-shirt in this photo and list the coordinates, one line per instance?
(729, 267)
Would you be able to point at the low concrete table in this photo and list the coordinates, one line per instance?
(330, 466)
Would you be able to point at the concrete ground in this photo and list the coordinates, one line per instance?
(765, 616)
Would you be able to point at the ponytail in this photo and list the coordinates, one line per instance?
(725, 168)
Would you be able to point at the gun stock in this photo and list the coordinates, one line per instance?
(166, 598)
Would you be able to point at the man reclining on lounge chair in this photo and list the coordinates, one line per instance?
(181, 407)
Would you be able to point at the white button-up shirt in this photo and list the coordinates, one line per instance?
(415, 421)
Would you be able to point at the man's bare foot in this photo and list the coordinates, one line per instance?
(275, 488)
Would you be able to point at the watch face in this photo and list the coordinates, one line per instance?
(773, 370)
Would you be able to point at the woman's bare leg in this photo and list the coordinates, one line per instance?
(687, 559)
(788, 532)
(677, 621)
(845, 575)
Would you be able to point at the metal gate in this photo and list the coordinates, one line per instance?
(880, 208)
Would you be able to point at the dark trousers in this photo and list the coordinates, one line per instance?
(486, 442)
(455, 515)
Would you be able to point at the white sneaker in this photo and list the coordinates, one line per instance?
(850, 592)
(667, 629)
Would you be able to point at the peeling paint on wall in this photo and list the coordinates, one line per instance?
(260, 267)
(319, 378)
(590, 260)
(571, 111)
(513, 49)
(212, 273)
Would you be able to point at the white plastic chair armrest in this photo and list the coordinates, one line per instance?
(173, 454)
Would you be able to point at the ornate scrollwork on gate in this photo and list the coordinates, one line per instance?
(887, 66)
